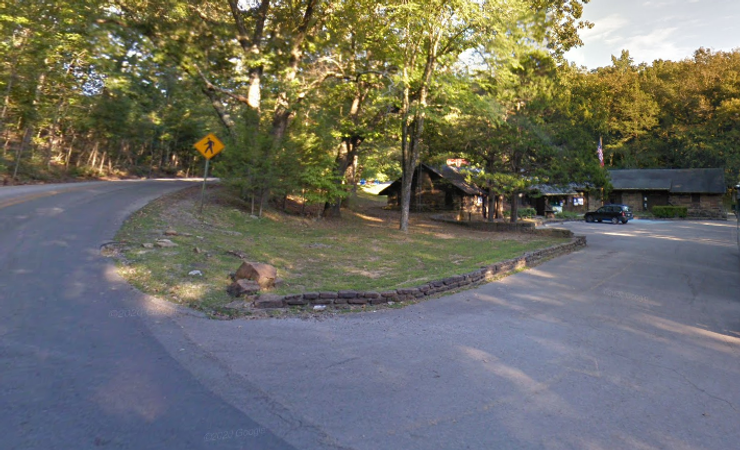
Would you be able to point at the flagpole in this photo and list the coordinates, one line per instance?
(600, 153)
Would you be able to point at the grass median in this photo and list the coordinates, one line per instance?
(362, 251)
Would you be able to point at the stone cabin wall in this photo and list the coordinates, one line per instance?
(698, 205)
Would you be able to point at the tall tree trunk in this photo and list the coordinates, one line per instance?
(410, 159)
(407, 167)
(25, 142)
(6, 144)
(346, 156)
(13, 75)
(6, 99)
(491, 204)
(283, 113)
(354, 180)
(30, 126)
(253, 47)
(413, 133)
(492, 195)
(102, 162)
(514, 206)
(58, 116)
(280, 120)
(53, 130)
(93, 159)
(69, 152)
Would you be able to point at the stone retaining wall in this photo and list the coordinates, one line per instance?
(498, 227)
(482, 275)
(485, 226)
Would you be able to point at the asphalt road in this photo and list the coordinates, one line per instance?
(631, 343)
(79, 368)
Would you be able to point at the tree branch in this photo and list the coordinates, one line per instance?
(213, 87)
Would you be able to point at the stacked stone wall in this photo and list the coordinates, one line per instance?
(480, 276)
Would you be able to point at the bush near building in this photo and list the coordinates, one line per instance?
(667, 212)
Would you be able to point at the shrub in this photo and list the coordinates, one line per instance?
(567, 215)
(664, 212)
(527, 212)
(82, 172)
(523, 213)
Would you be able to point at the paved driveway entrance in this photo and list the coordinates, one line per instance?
(631, 343)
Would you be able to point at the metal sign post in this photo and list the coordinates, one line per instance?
(209, 147)
(203, 190)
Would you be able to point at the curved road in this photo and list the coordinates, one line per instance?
(630, 343)
(73, 373)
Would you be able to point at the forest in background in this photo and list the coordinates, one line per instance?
(309, 96)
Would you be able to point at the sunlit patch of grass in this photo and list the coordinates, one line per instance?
(189, 291)
(310, 255)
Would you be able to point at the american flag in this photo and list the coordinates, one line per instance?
(600, 152)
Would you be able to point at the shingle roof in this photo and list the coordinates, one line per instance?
(677, 181)
(457, 177)
(569, 189)
(452, 174)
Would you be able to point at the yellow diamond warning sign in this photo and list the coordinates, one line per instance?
(209, 146)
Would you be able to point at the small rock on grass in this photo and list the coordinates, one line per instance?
(147, 245)
(238, 304)
(319, 307)
(237, 253)
(243, 287)
(165, 243)
(170, 232)
(195, 273)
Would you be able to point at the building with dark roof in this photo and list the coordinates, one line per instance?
(548, 199)
(700, 190)
(443, 189)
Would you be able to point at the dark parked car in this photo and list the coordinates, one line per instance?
(612, 213)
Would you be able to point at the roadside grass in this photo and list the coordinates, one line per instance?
(363, 251)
